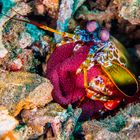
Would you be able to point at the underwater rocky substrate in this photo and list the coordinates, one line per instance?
(30, 105)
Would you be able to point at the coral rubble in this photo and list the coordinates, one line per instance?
(22, 44)
(6, 120)
(23, 90)
(65, 13)
(49, 6)
(129, 10)
(23, 7)
(62, 121)
(124, 125)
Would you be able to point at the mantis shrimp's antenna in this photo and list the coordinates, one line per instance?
(44, 27)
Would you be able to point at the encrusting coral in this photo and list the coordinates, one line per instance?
(66, 11)
(124, 125)
(125, 9)
(62, 121)
(22, 44)
(129, 10)
(49, 6)
(100, 16)
(20, 90)
(7, 124)
(25, 9)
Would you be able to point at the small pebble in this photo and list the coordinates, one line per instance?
(3, 52)
(92, 26)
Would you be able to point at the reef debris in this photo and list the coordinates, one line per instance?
(65, 13)
(49, 6)
(129, 10)
(6, 120)
(23, 46)
(107, 15)
(7, 124)
(124, 125)
(62, 121)
(19, 90)
(22, 7)
(115, 9)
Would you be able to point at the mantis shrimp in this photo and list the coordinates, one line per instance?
(109, 55)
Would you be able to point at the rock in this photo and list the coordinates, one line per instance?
(61, 120)
(22, 90)
(124, 125)
(7, 124)
(129, 10)
(49, 6)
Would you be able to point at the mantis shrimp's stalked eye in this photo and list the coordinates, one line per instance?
(104, 35)
(92, 26)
